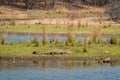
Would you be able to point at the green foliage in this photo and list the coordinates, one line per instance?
(113, 40)
(85, 46)
(95, 34)
(71, 34)
(3, 38)
(36, 40)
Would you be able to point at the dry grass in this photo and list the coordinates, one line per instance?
(85, 45)
(96, 33)
(12, 22)
(3, 37)
(44, 41)
(62, 10)
(71, 34)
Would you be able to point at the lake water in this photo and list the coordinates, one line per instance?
(62, 38)
(58, 70)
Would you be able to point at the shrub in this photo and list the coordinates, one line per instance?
(3, 38)
(79, 24)
(85, 46)
(44, 41)
(71, 34)
(95, 34)
(113, 40)
(36, 40)
(56, 39)
(12, 22)
(2, 22)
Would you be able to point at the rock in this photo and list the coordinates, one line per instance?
(53, 52)
(106, 60)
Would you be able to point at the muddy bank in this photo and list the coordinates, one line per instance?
(60, 58)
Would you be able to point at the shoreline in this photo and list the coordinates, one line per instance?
(58, 33)
(60, 58)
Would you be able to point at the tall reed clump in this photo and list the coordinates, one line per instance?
(56, 39)
(96, 34)
(85, 45)
(3, 37)
(56, 36)
(36, 40)
(44, 41)
(78, 24)
(29, 39)
(12, 37)
(71, 35)
(12, 22)
(2, 22)
(113, 39)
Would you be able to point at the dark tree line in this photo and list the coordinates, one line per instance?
(96, 2)
(113, 10)
(30, 3)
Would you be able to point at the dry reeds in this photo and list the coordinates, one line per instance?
(79, 24)
(44, 41)
(3, 37)
(2, 22)
(85, 46)
(71, 35)
(12, 38)
(56, 39)
(21, 40)
(61, 11)
(36, 40)
(113, 40)
(95, 34)
(12, 22)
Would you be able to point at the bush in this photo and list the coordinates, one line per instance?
(113, 40)
(3, 38)
(85, 46)
(12, 22)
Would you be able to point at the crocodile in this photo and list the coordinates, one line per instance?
(53, 52)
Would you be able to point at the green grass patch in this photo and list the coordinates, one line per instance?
(22, 49)
(53, 28)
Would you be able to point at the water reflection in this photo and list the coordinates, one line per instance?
(54, 64)
(59, 70)
(62, 38)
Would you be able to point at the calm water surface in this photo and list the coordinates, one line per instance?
(58, 70)
(62, 38)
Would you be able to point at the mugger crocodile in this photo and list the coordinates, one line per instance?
(53, 52)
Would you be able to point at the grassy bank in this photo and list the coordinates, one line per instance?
(26, 49)
(58, 28)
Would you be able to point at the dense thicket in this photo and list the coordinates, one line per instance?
(113, 10)
(29, 4)
(96, 2)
